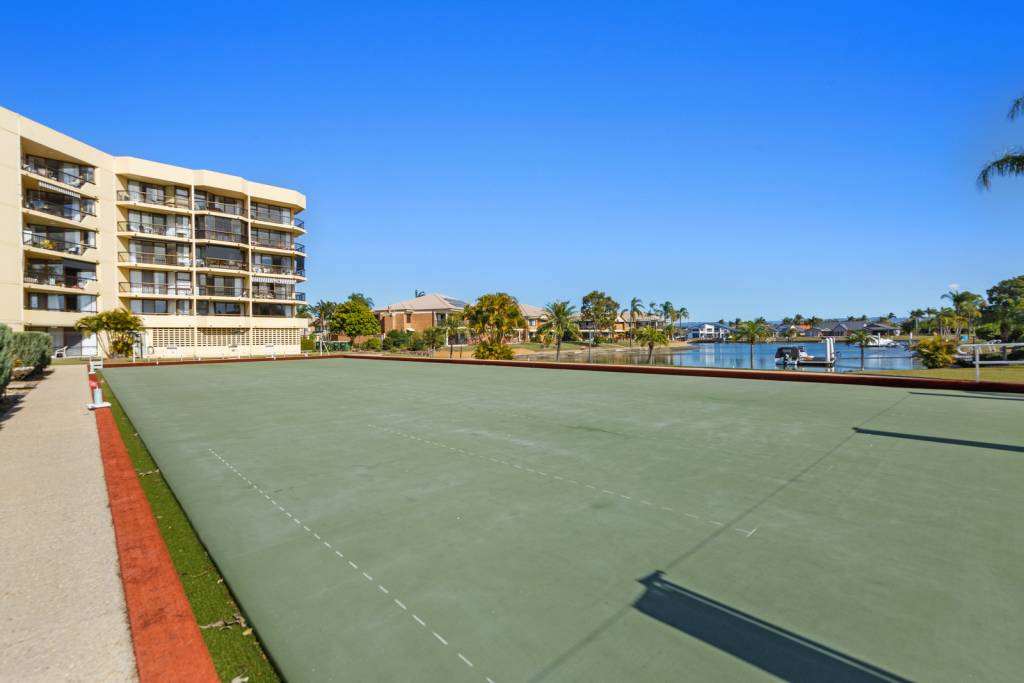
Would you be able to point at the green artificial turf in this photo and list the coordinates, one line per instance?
(235, 650)
(385, 520)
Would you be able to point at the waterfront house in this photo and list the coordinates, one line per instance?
(708, 331)
(841, 329)
(418, 314)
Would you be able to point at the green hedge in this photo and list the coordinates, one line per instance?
(6, 360)
(32, 348)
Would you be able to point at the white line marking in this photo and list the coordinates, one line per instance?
(590, 486)
(468, 663)
(690, 514)
(665, 508)
(716, 523)
(316, 535)
(438, 636)
(368, 577)
(273, 501)
(419, 621)
(306, 528)
(327, 544)
(646, 502)
(399, 603)
(287, 513)
(354, 565)
(338, 553)
(382, 588)
(611, 493)
(296, 520)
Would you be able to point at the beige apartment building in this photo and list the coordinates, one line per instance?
(208, 261)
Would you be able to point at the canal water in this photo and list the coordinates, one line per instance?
(738, 356)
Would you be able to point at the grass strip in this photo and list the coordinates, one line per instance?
(233, 645)
(1011, 373)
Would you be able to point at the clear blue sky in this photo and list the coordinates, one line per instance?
(736, 160)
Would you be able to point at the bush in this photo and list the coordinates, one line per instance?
(397, 339)
(372, 344)
(936, 352)
(32, 348)
(6, 357)
(489, 350)
(307, 344)
(418, 343)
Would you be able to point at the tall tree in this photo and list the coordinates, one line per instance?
(362, 298)
(599, 311)
(650, 337)
(1011, 163)
(493, 318)
(454, 325)
(354, 319)
(636, 309)
(323, 310)
(967, 306)
(752, 331)
(559, 323)
(861, 338)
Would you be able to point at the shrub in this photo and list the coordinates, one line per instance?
(32, 348)
(417, 343)
(307, 344)
(372, 344)
(6, 360)
(397, 339)
(936, 352)
(490, 350)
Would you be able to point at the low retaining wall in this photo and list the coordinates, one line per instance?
(771, 375)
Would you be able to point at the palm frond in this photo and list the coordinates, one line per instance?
(1011, 163)
(1016, 109)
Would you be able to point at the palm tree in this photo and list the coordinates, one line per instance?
(668, 313)
(1012, 162)
(915, 316)
(861, 338)
(752, 331)
(452, 327)
(560, 322)
(636, 308)
(967, 306)
(651, 337)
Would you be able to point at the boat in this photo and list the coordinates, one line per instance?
(798, 356)
(880, 341)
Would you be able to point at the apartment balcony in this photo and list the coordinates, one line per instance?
(269, 269)
(220, 236)
(200, 204)
(149, 288)
(153, 259)
(33, 166)
(169, 231)
(283, 245)
(223, 292)
(276, 295)
(53, 244)
(276, 217)
(57, 209)
(153, 199)
(43, 279)
(221, 264)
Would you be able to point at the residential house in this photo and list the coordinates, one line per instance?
(708, 331)
(845, 327)
(416, 315)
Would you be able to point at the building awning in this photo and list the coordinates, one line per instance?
(272, 280)
(57, 188)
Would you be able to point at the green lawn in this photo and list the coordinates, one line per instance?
(412, 521)
(235, 652)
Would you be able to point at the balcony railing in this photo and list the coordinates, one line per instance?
(270, 269)
(154, 258)
(56, 209)
(154, 229)
(54, 174)
(277, 243)
(200, 204)
(237, 292)
(66, 308)
(53, 244)
(234, 237)
(230, 264)
(173, 289)
(155, 198)
(58, 280)
(275, 217)
(278, 295)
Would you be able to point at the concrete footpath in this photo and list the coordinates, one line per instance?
(62, 608)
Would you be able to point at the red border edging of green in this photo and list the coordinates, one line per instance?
(165, 637)
(772, 375)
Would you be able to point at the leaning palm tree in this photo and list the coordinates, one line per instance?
(559, 323)
(752, 331)
(1011, 162)
(668, 315)
(636, 309)
(651, 337)
(861, 338)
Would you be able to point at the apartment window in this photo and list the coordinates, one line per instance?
(82, 303)
(55, 204)
(218, 308)
(220, 228)
(58, 239)
(149, 306)
(66, 172)
(273, 310)
(207, 201)
(274, 214)
(271, 238)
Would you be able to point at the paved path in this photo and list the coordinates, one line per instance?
(62, 612)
